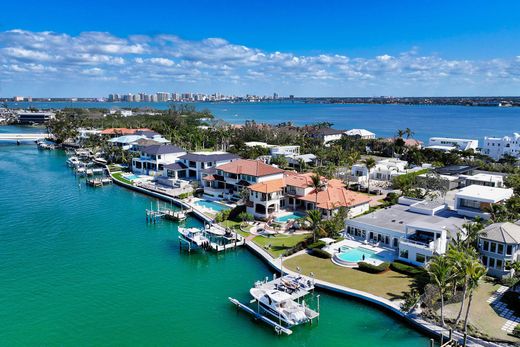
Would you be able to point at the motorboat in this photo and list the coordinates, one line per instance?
(100, 161)
(73, 161)
(280, 305)
(215, 230)
(194, 237)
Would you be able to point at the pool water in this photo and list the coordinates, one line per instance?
(288, 217)
(215, 206)
(131, 177)
(354, 255)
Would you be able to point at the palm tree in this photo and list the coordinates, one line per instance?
(302, 165)
(441, 274)
(475, 273)
(352, 158)
(317, 186)
(460, 259)
(370, 163)
(409, 133)
(314, 218)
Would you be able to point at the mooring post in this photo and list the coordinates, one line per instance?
(432, 343)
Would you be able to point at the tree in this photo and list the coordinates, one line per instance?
(441, 274)
(409, 133)
(460, 259)
(314, 219)
(370, 163)
(245, 217)
(352, 158)
(475, 273)
(317, 186)
(513, 182)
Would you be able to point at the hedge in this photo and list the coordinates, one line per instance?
(320, 253)
(406, 269)
(317, 244)
(374, 269)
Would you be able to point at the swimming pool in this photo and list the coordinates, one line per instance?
(212, 205)
(288, 217)
(354, 255)
(131, 177)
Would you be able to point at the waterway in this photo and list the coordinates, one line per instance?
(383, 120)
(79, 266)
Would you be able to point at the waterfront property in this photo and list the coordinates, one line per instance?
(497, 147)
(384, 170)
(475, 200)
(360, 134)
(326, 135)
(293, 192)
(229, 180)
(415, 229)
(196, 162)
(34, 117)
(499, 246)
(285, 151)
(152, 159)
(447, 144)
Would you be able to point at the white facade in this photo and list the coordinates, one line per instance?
(483, 179)
(384, 170)
(360, 133)
(472, 201)
(497, 147)
(285, 151)
(448, 144)
(153, 164)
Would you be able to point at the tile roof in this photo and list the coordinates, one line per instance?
(268, 186)
(502, 232)
(175, 166)
(162, 149)
(122, 131)
(255, 168)
(335, 195)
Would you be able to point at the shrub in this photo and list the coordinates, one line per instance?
(185, 195)
(317, 244)
(516, 331)
(374, 269)
(406, 269)
(296, 248)
(320, 253)
(234, 214)
(222, 216)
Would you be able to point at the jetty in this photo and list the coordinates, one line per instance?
(23, 137)
(99, 182)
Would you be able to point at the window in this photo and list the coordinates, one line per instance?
(491, 262)
(493, 247)
(420, 258)
(469, 203)
(486, 246)
(500, 248)
(509, 250)
(499, 264)
(403, 254)
(395, 242)
(484, 260)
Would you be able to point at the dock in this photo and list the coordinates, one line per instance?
(296, 286)
(98, 182)
(277, 327)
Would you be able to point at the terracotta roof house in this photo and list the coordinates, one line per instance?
(293, 192)
(228, 180)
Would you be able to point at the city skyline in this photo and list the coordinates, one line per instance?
(339, 50)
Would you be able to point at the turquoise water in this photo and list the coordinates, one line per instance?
(384, 120)
(79, 266)
(131, 177)
(215, 206)
(354, 255)
(288, 217)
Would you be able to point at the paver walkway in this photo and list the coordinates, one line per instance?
(502, 310)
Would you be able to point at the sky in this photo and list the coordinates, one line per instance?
(304, 48)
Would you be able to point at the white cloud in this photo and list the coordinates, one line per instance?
(214, 62)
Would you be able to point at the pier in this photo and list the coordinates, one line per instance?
(23, 137)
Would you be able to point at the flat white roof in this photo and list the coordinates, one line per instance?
(484, 193)
(359, 132)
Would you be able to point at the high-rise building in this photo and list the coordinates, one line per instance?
(162, 96)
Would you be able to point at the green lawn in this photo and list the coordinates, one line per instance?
(390, 285)
(278, 244)
(482, 316)
(235, 226)
(119, 176)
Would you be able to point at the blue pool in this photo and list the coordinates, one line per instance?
(131, 177)
(288, 217)
(215, 206)
(354, 255)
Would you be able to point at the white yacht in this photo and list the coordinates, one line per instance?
(280, 305)
(215, 230)
(73, 161)
(194, 237)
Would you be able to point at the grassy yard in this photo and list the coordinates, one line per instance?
(235, 226)
(481, 315)
(390, 285)
(119, 176)
(278, 244)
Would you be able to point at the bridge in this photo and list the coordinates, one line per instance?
(22, 137)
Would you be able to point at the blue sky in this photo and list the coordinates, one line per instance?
(337, 48)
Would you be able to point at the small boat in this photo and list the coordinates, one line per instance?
(215, 230)
(280, 305)
(100, 161)
(194, 238)
(81, 171)
(73, 161)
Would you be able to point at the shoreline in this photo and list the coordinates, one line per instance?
(383, 304)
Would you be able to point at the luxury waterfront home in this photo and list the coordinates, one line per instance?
(293, 192)
(415, 229)
(474, 200)
(229, 180)
(153, 158)
(499, 246)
